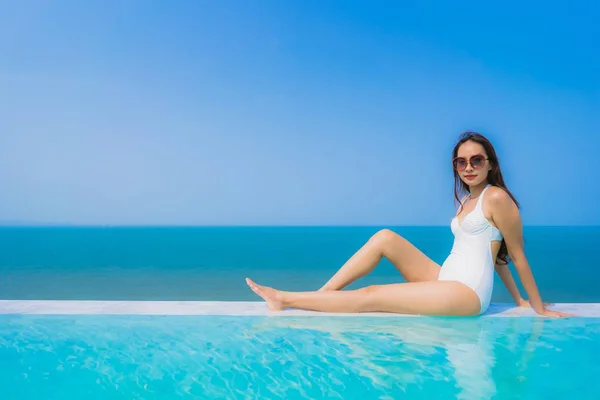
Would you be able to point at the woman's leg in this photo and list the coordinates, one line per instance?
(412, 263)
(425, 298)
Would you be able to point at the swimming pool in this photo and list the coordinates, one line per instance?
(296, 356)
(195, 335)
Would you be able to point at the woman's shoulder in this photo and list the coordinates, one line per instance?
(498, 197)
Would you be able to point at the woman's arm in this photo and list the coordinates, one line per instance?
(507, 218)
(508, 280)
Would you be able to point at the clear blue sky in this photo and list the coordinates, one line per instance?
(292, 112)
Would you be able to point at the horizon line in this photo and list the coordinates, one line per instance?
(119, 225)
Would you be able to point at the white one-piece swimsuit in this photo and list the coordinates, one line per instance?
(470, 260)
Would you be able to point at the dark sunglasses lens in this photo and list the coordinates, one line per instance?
(477, 161)
(460, 164)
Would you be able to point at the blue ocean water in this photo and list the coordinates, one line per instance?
(217, 357)
(210, 263)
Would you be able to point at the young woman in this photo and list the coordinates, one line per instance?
(487, 229)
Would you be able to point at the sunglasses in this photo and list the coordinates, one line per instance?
(476, 161)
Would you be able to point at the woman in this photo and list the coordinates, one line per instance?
(487, 229)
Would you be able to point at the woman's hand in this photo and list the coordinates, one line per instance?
(527, 304)
(555, 314)
(545, 312)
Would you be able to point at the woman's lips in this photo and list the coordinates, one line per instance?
(470, 176)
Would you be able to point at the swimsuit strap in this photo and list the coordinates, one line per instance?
(480, 200)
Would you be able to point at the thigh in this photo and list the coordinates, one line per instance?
(412, 263)
(423, 298)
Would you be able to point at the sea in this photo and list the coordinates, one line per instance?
(211, 263)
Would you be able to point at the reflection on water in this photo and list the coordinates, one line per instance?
(466, 344)
(294, 357)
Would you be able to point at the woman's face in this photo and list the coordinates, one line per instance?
(471, 163)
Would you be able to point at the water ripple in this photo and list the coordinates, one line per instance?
(200, 357)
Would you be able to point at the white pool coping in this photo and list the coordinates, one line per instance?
(237, 308)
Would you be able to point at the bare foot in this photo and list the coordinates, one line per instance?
(270, 295)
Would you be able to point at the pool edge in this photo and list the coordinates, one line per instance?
(237, 308)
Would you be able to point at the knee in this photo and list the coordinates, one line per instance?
(368, 290)
(368, 301)
(385, 236)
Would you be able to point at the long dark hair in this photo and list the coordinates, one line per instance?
(494, 178)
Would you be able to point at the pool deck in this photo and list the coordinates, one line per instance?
(237, 308)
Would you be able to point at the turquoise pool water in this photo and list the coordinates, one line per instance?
(172, 357)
